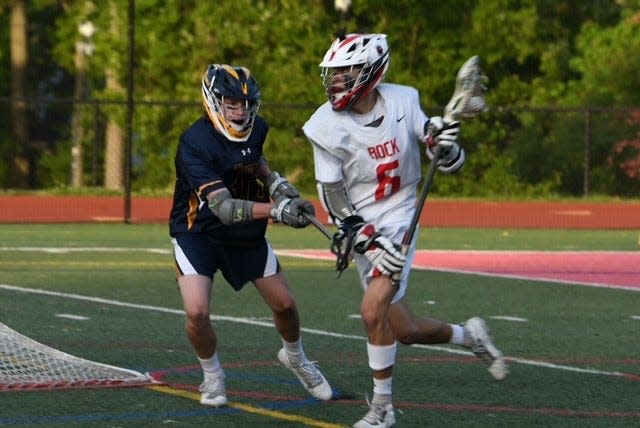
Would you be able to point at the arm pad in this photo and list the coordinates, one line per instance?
(229, 210)
(336, 200)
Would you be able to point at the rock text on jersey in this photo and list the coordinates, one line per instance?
(386, 149)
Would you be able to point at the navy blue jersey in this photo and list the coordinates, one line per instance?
(207, 161)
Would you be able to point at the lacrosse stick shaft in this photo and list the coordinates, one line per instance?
(321, 227)
(467, 101)
(408, 237)
(423, 197)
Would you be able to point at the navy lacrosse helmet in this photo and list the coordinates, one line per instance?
(231, 98)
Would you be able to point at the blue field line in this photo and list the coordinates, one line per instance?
(44, 420)
(102, 417)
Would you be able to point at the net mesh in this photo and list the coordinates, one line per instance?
(26, 364)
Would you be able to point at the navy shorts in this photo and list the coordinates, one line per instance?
(199, 254)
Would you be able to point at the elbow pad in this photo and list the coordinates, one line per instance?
(231, 211)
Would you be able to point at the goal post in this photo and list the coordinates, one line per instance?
(29, 365)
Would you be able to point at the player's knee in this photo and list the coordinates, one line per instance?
(284, 305)
(197, 321)
(370, 318)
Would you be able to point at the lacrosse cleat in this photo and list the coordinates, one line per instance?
(309, 375)
(478, 339)
(378, 416)
(213, 391)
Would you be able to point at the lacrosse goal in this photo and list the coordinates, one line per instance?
(29, 365)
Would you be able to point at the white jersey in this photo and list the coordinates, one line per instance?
(380, 165)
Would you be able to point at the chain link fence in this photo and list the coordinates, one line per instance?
(574, 152)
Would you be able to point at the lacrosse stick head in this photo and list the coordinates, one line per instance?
(468, 96)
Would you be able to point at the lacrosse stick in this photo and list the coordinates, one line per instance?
(467, 101)
(321, 227)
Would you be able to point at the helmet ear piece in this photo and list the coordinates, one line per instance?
(222, 83)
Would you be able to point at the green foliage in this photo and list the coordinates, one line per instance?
(54, 166)
(537, 53)
(614, 80)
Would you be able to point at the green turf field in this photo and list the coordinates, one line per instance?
(574, 358)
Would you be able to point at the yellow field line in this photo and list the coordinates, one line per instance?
(250, 409)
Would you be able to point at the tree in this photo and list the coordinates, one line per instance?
(21, 167)
(614, 83)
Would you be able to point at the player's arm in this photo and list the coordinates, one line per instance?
(277, 185)
(335, 198)
(230, 210)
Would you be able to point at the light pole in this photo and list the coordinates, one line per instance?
(84, 49)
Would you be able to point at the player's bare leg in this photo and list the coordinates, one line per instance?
(277, 294)
(196, 295)
(474, 335)
(381, 351)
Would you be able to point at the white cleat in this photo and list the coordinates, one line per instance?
(213, 392)
(481, 344)
(309, 375)
(378, 416)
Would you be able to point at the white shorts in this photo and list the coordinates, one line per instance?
(365, 268)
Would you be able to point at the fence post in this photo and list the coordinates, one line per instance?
(128, 154)
(587, 150)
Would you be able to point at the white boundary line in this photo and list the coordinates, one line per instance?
(306, 330)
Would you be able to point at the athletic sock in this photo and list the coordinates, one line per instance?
(294, 350)
(382, 390)
(457, 335)
(211, 366)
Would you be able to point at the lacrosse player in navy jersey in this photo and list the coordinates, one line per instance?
(221, 207)
(367, 164)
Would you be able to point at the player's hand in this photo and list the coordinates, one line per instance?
(278, 187)
(384, 256)
(293, 212)
(438, 131)
(445, 135)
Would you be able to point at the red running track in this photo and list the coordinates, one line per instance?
(612, 269)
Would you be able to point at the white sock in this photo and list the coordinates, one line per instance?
(457, 336)
(294, 350)
(382, 387)
(211, 366)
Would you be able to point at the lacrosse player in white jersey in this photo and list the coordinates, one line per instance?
(366, 142)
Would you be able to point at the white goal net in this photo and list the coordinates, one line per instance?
(27, 365)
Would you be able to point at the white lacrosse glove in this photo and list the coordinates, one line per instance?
(385, 258)
(278, 186)
(445, 135)
(440, 132)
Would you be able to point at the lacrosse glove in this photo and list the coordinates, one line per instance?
(291, 212)
(445, 135)
(357, 236)
(278, 186)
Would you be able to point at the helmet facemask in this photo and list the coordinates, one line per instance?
(345, 86)
(231, 99)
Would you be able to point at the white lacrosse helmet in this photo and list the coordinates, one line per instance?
(221, 82)
(368, 53)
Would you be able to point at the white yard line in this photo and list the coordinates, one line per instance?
(255, 322)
